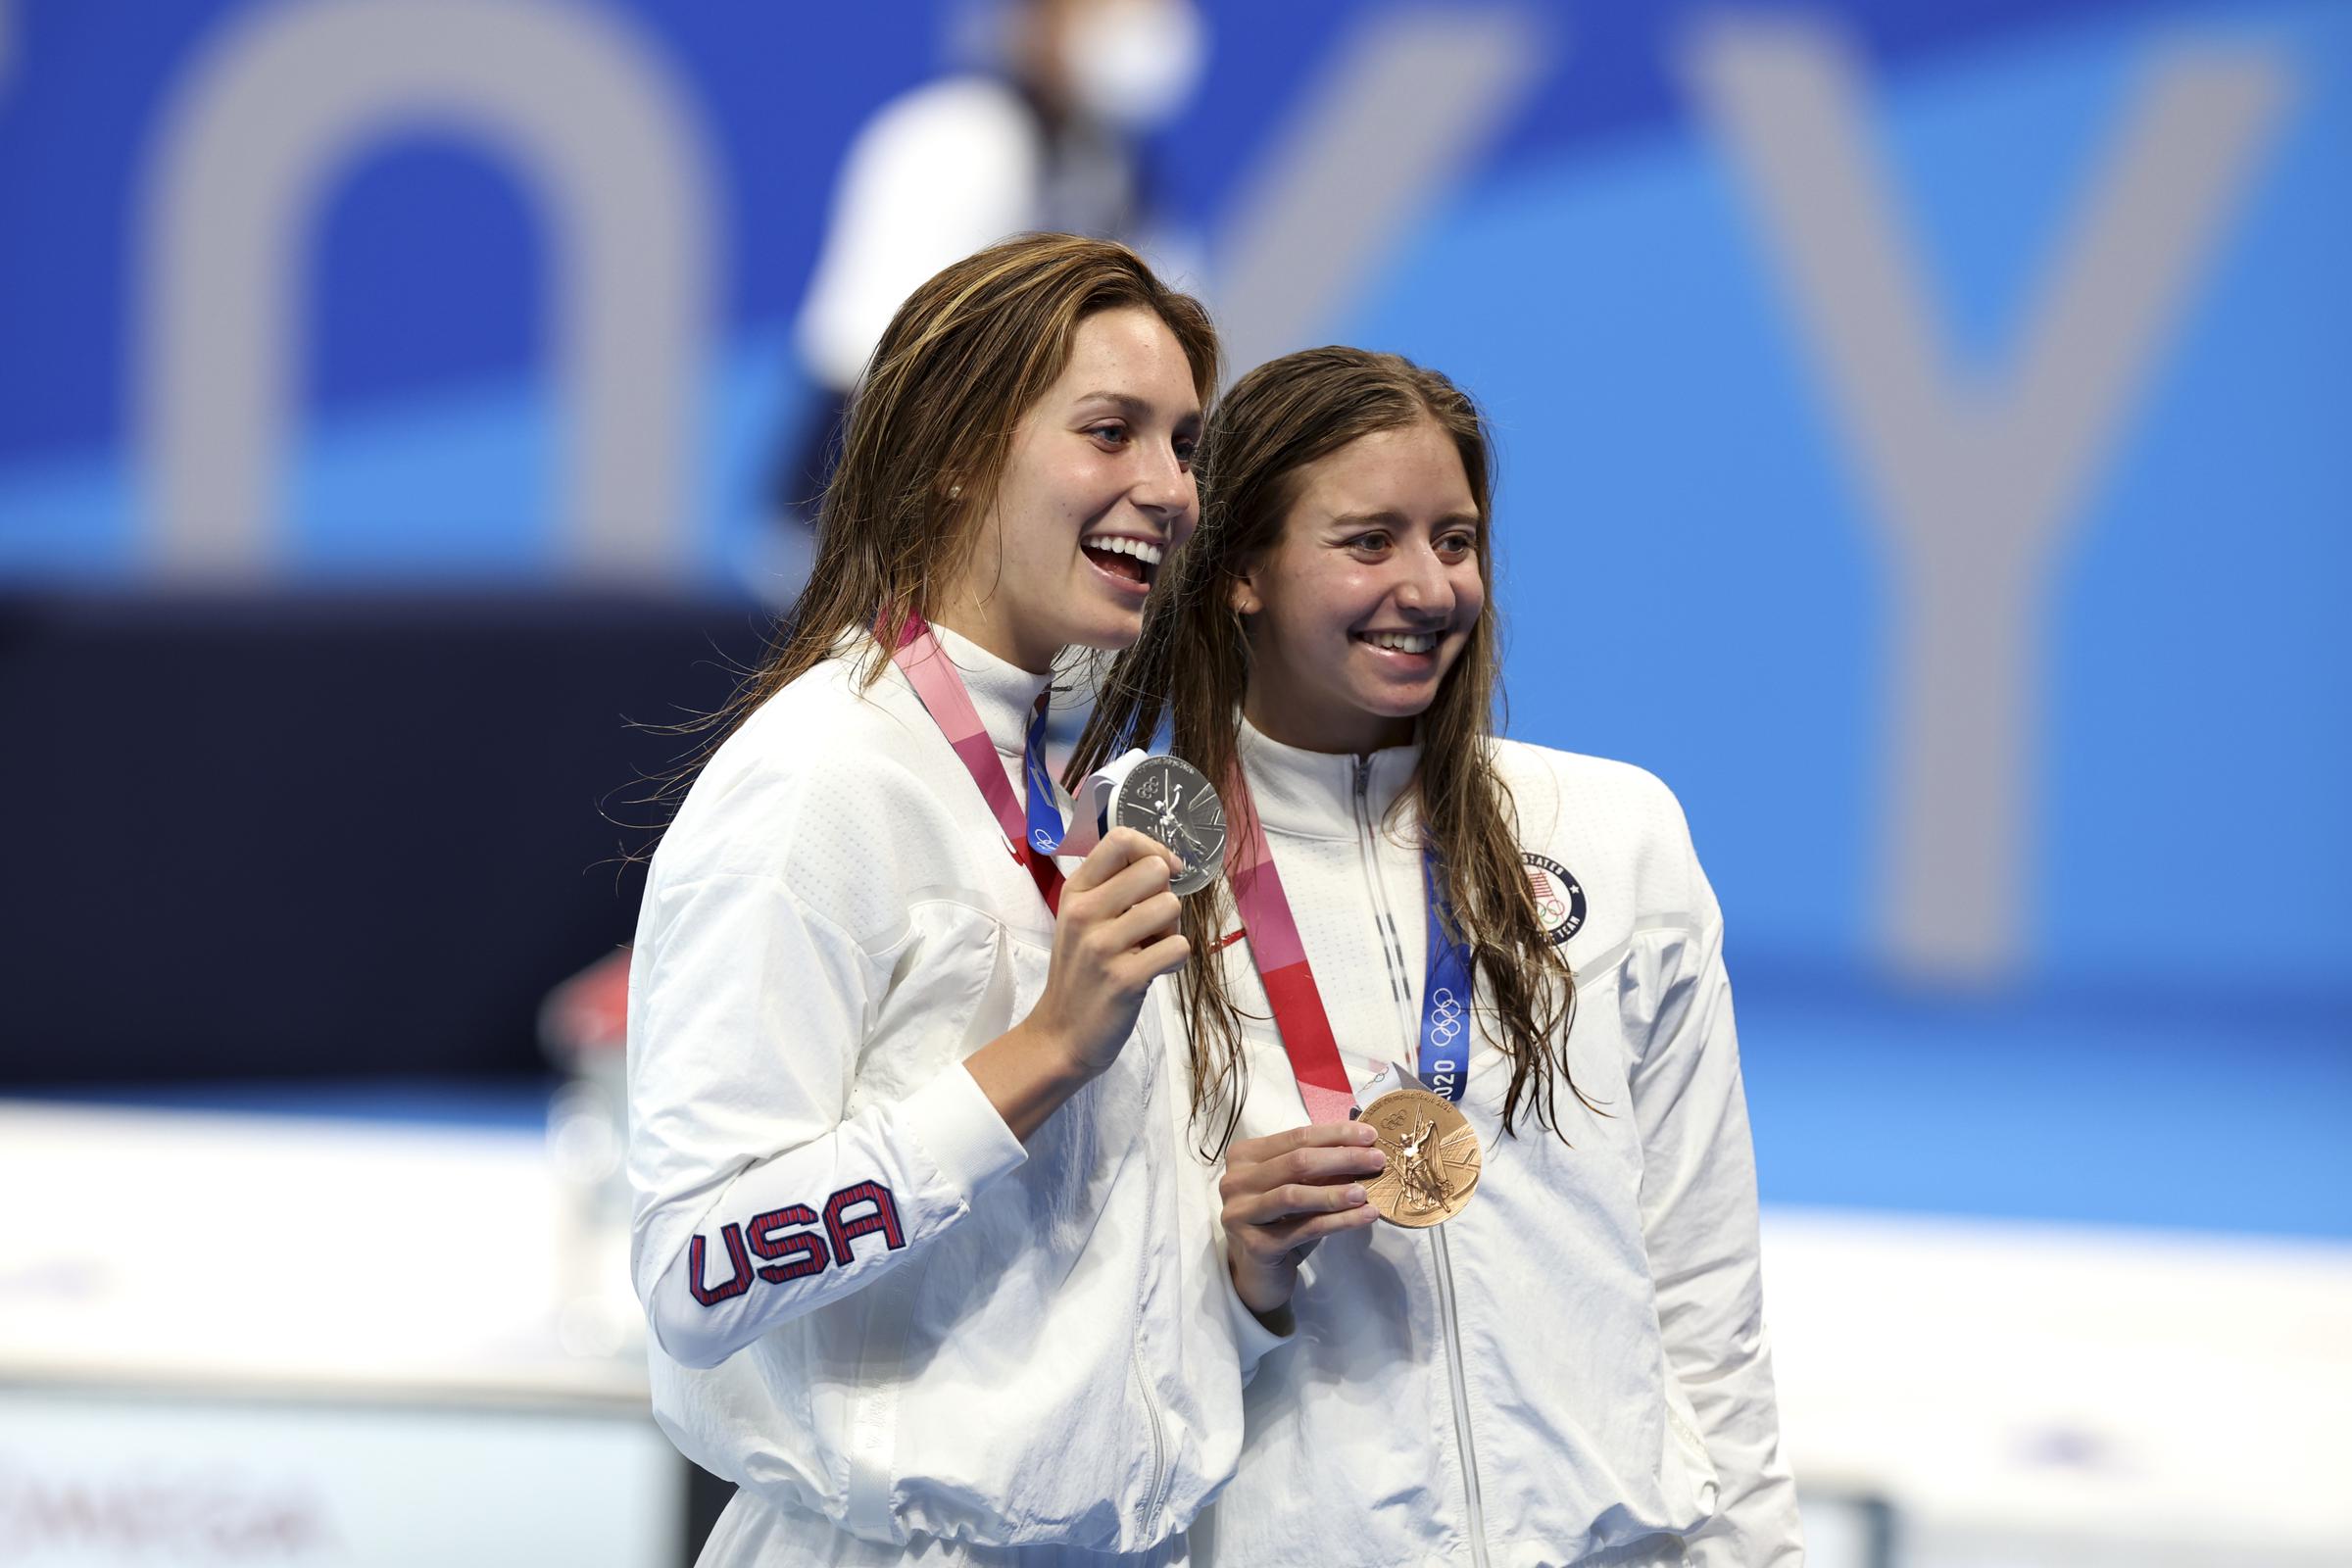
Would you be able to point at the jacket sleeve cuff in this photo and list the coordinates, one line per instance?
(961, 1132)
(1251, 1338)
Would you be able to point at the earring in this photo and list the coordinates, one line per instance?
(954, 492)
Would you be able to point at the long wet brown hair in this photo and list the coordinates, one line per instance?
(1192, 669)
(930, 426)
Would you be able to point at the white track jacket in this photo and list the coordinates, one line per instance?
(903, 1337)
(1574, 1369)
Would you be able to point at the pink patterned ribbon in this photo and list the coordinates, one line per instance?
(942, 693)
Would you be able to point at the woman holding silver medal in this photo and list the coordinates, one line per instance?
(923, 1273)
(1507, 960)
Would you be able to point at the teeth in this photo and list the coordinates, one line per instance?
(1409, 642)
(1142, 550)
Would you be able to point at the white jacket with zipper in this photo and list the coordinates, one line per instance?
(904, 1337)
(1573, 1370)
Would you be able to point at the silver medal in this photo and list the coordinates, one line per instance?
(1168, 800)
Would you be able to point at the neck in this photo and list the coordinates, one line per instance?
(972, 621)
(1353, 734)
(1302, 793)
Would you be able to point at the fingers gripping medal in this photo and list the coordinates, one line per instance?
(1165, 799)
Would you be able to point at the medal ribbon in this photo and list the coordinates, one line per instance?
(1045, 817)
(1444, 991)
(944, 697)
(1298, 1002)
(1281, 959)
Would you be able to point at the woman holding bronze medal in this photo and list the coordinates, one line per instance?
(921, 1275)
(1501, 968)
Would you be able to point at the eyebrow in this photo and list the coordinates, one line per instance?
(1398, 519)
(1130, 405)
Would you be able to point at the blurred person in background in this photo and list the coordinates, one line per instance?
(1573, 1368)
(922, 1277)
(1050, 139)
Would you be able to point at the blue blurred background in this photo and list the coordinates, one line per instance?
(1913, 417)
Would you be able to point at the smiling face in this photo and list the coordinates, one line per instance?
(1369, 596)
(1098, 487)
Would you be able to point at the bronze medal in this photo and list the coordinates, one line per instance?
(1433, 1158)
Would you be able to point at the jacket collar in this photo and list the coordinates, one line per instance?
(1003, 693)
(1312, 794)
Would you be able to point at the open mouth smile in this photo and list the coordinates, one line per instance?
(1411, 644)
(1130, 561)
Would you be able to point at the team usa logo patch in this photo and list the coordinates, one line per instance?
(790, 1238)
(1559, 901)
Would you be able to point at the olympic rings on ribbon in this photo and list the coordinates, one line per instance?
(1445, 1015)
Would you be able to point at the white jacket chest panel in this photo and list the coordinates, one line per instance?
(1363, 922)
(1550, 1271)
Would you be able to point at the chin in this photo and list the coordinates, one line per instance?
(1108, 637)
(1392, 702)
(1381, 710)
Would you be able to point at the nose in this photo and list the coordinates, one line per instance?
(1163, 486)
(1424, 589)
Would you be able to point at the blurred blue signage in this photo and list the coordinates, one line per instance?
(1919, 421)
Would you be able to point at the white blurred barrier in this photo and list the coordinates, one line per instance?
(90, 1478)
(2040, 1397)
(228, 1339)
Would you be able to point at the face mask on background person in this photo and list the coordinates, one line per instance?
(1133, 63)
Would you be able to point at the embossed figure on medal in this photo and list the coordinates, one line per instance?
(1166, 799)
(1433, 1158)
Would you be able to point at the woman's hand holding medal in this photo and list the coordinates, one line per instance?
(1114, 935)
(1286, 1192)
